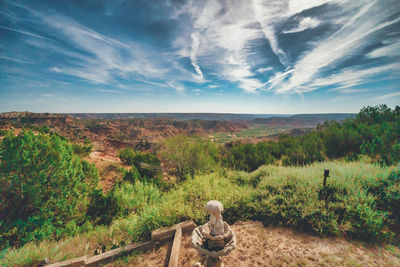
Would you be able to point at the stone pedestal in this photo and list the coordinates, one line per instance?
(213, 262)
(215, 238)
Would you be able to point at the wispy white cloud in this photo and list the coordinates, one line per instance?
(26, 33)
(179, 88)
(277, 78)
(351, 77)
(388, 96)
(304, 24)
(193, 58)
(389, 50)
(261, 70)
(197, 92)
(342, 45)
(101, 59)
(298, 6)
(109, 91)
(267, 14)
(222, 37)
(16, 59)
(245, 43)
(110, 58)
(219, 36)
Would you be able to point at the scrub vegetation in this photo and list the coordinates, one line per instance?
(52, 205)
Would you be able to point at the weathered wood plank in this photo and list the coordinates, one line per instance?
(168, 232)
(109, 255)
(156, 235)
(75, 262)
(188, 226)
(176, 246)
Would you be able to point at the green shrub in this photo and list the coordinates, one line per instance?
(82, 150)
(386, 194)
(132, 175)
(3, 132)
(145, 166)
(186, 156)
(45, 188)
(125, 198)
(131, 157)
(135, 197)
(363, 204)
(373, 132)
(103, 208)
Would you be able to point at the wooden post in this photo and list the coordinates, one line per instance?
(76, 262)
(176, 246)
(167, 233)
(101, 259)
(326, 174)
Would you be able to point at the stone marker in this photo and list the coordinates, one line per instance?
(215, 238)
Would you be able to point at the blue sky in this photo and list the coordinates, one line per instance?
(249, 56)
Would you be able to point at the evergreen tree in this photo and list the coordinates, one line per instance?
(45, 187)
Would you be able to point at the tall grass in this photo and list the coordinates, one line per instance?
(294, 196)
(291, 196)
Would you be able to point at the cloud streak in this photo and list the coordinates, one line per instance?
(347, 42)
(100, 59)
(259, 49)
(229, 34)
(304, 24)
(193, 58)
(26, 33)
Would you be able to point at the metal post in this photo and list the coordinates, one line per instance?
(326, 174)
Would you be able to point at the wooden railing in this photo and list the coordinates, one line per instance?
(159, 235)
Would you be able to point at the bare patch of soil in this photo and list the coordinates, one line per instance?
(107, 162)
(260, 246)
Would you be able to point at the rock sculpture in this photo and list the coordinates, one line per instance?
(215, 238)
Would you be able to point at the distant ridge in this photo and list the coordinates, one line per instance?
(301, 120)
(257, 118)
(177, 116)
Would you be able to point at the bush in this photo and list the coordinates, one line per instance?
(3, 132)
(135, 197)
(374, 132)
(248, 157)
(132, 175)
(82, 150)
(103, 208)
(131, 157)
(146, 164)
(125, 198)
(386, 193)
(186, 156)
(361, 206)
(45, 188)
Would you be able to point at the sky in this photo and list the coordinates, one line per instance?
(228, 56)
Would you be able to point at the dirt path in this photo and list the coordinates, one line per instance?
(260, 246)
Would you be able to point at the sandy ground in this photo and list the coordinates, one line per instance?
(260, 246)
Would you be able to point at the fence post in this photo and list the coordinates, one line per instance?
(176, 245)
(326, 174)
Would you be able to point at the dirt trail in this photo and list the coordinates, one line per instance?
(260, 246)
